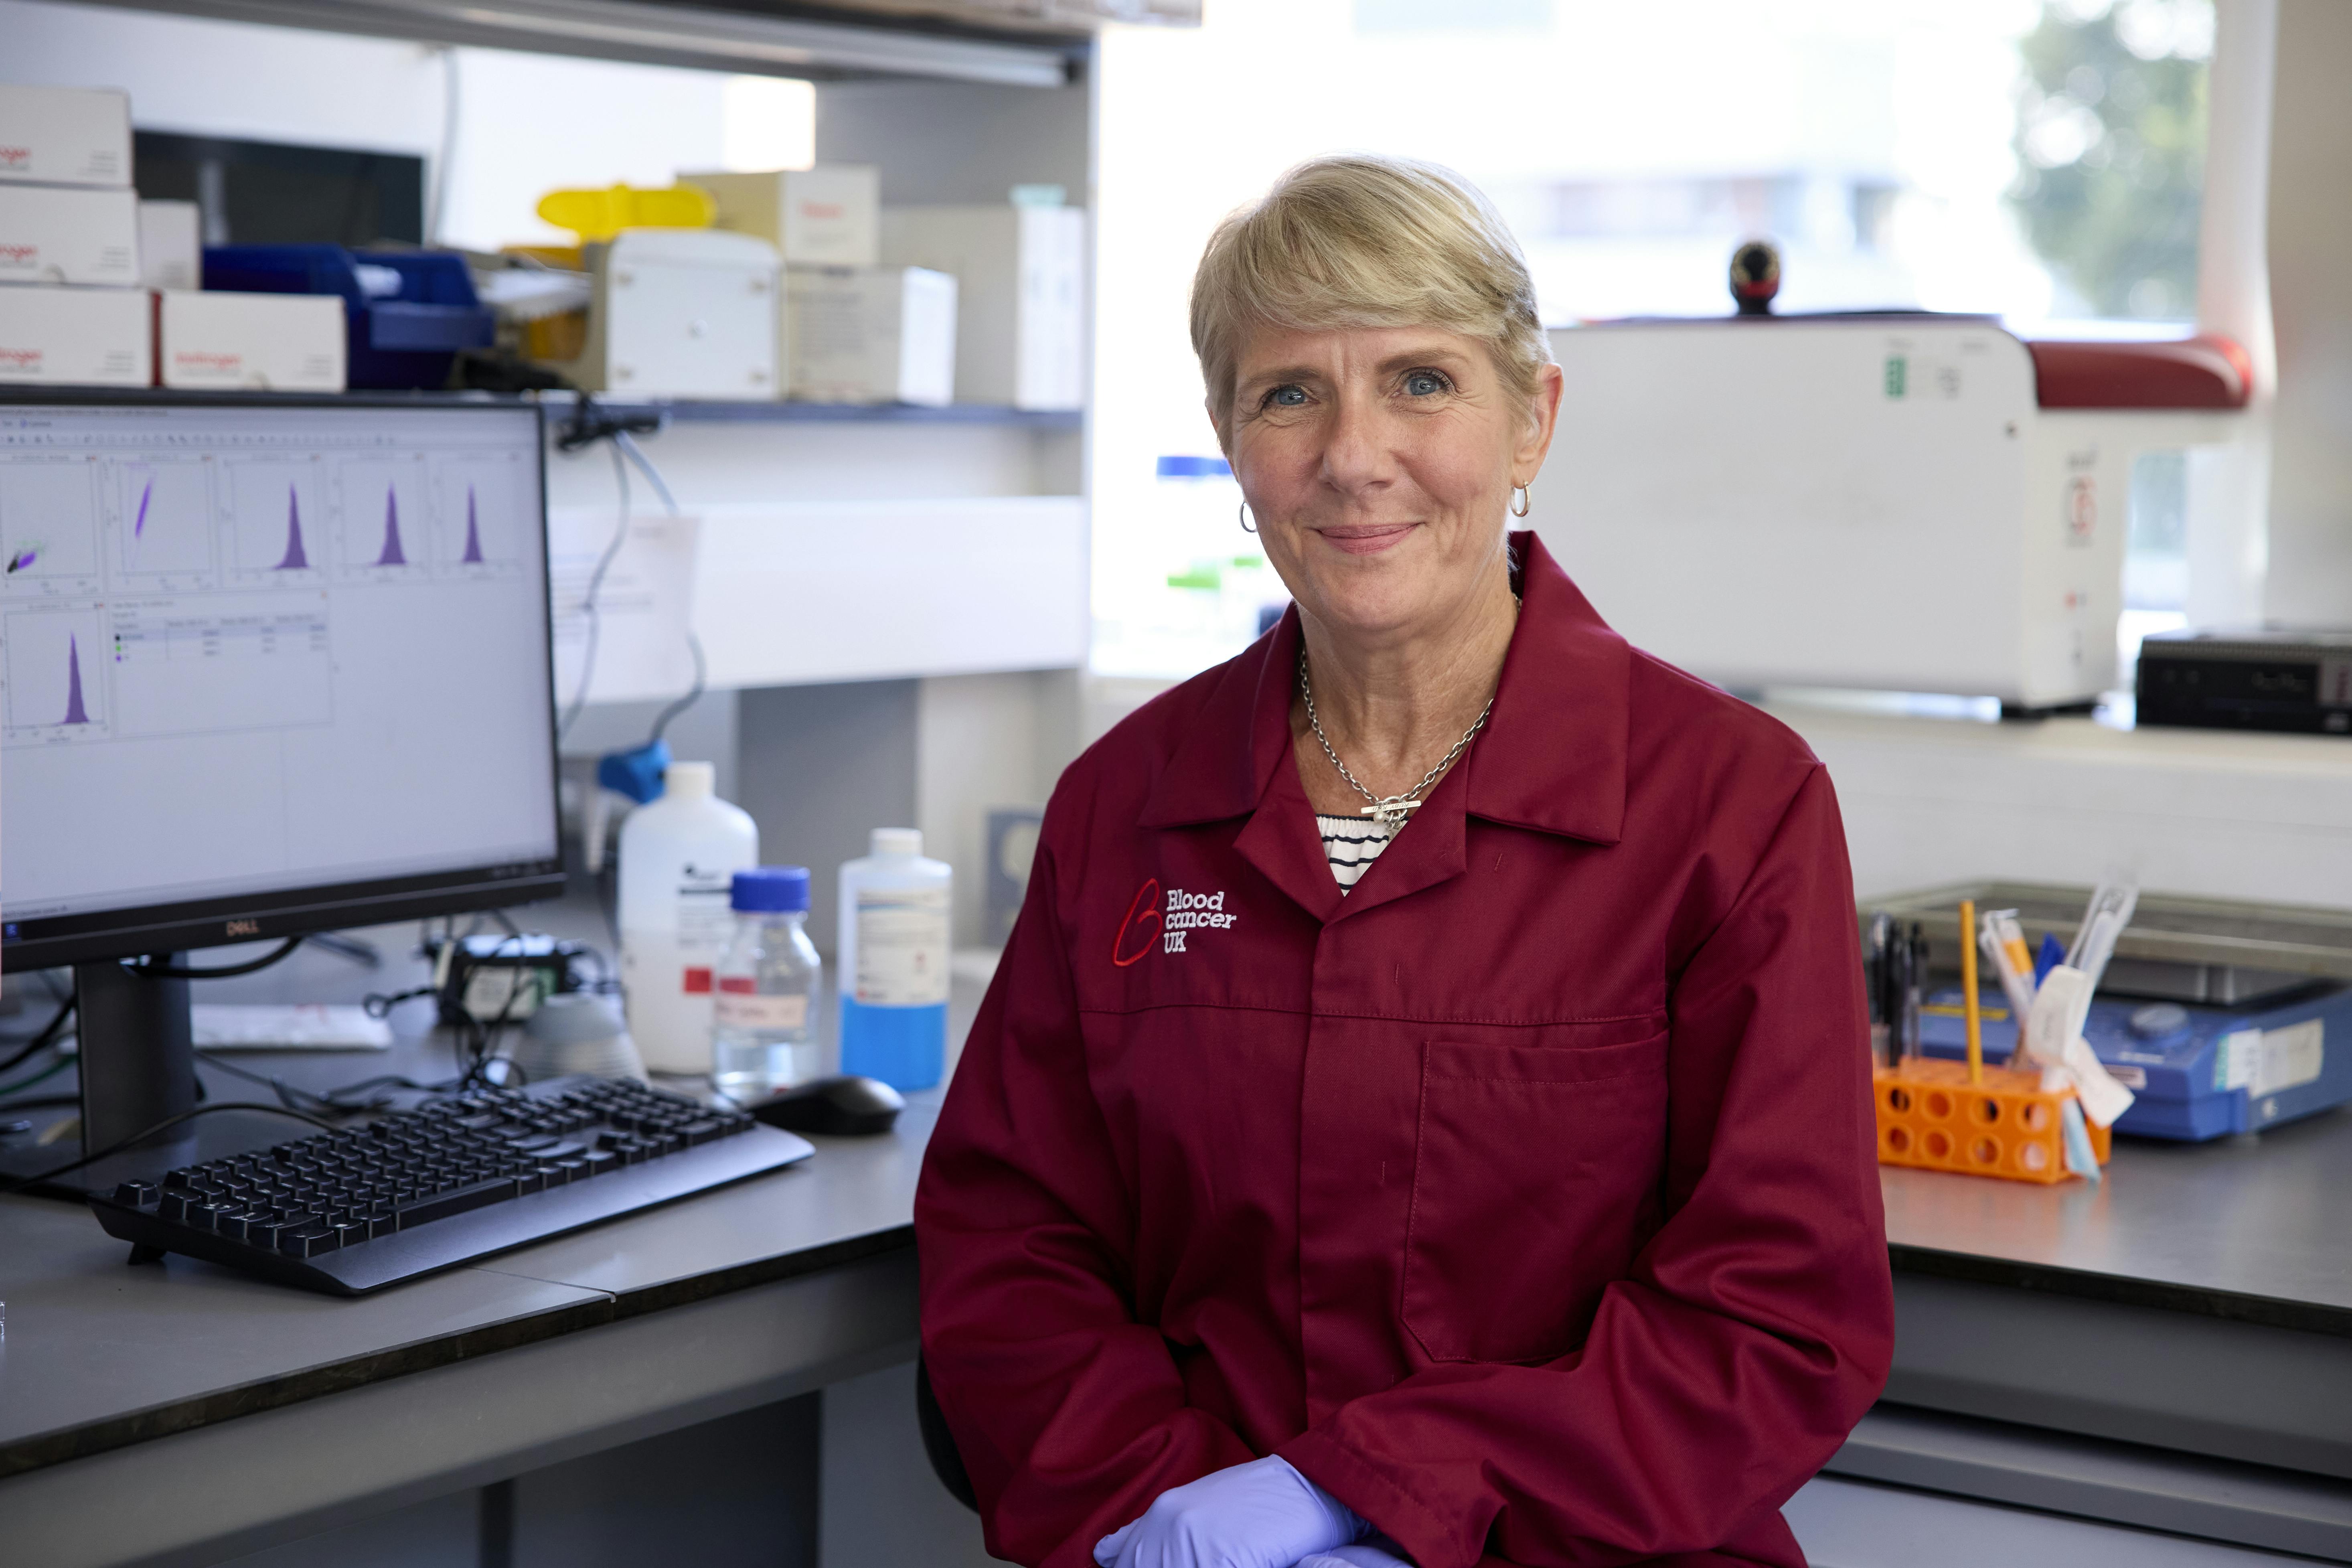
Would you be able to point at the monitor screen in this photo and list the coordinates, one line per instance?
(267, 666)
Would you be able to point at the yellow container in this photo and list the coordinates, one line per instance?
(1931, 1118)
(601, 215)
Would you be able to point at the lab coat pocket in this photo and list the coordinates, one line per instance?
(1535, 1181)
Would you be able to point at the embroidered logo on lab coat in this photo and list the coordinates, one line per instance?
(1180, 914)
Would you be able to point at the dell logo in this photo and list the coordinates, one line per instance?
(243, 928)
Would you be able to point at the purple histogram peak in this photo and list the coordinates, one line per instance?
(74, 712)
(392, 554)
(473, 556)
(295, 560)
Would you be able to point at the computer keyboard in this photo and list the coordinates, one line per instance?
(454, 1180)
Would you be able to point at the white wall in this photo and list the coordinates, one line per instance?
(1929, 801)
(2310, 577)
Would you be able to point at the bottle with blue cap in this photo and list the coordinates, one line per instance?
(763, 1010)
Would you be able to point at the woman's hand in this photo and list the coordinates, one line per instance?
(1263, 1514)
(1373, 1554)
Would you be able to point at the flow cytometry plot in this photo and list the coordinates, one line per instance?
(382, 509)
(484, 513)
(164, 515)
(280, 525)
(48, 526)
(56, 674)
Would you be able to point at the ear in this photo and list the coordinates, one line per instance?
(1543, 419)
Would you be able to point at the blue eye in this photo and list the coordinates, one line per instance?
(1286, 397)
(1424, 384)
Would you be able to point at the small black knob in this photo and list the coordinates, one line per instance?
(1755, 277)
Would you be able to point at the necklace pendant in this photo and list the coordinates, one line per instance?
(1392, 813)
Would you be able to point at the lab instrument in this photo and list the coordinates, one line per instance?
(2216, 1014)
(453, 1181)
(1907, 501)
(2256, 679)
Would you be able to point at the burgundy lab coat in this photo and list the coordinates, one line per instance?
(1524, 1198)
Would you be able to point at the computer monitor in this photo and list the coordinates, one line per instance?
(267, 666)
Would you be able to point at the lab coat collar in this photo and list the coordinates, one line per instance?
(1552, 757)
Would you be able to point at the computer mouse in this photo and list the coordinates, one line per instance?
(848, 1107)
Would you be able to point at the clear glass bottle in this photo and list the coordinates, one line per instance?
(763, 1013)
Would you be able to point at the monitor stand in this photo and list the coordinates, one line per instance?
(137, 1066)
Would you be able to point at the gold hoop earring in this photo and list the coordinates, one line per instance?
(1241, 514)
(1520, 501)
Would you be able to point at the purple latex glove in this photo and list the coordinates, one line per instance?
(1263, 1514)
(1377, 1553)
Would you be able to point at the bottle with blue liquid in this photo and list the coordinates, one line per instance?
(893, 963)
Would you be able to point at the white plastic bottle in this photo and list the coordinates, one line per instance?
(763, 1035)
(679, 855)
(894, 962)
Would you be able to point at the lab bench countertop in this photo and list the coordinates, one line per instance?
(100, 1355)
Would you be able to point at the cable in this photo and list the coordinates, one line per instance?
(54, 1172)
(442, 159)
(227, 971)
(286, 1092)
(588, 599)
(50, 1071)
(48, 1032)
(693, 693)
(627, 443)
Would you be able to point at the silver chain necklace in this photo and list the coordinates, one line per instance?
(1391, 812)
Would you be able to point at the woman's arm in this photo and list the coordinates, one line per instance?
(1755, 1327)
(1069, 1414)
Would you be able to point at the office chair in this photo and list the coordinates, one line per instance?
(939, 1443)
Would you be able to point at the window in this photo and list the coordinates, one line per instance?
(2002, 156)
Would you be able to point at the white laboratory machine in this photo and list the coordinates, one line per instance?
(1907, 501)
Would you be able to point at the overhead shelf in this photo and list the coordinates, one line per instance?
(697, 412)
(844, 40)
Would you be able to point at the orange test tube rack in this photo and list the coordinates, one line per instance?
(1932, 1117)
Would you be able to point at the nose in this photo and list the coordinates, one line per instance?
(1358, 457)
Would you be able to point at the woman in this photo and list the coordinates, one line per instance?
(1422, 1112)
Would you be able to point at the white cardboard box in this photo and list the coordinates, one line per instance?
(77, 337)
(824, 217)
(870, 334)
(170, 245)
(277, 343)
(1021, 305)
(681, 312)
(65, 135)
(52, 234)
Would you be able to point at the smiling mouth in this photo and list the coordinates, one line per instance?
(1367, 538)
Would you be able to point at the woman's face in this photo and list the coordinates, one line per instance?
(1378, 463)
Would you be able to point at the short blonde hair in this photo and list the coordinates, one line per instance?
(1356, 240)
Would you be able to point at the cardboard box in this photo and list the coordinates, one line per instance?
(170, 245)
(870, 334)
(681, 313)
(65, 135)
(823, 216)
(77, 337)
(54, 233)
(275, 342)
(1020, 302)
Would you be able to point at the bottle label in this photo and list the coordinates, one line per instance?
(705, 923)
(902, 948)
(738, 1006)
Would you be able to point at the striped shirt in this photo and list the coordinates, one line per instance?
(1350, 844)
